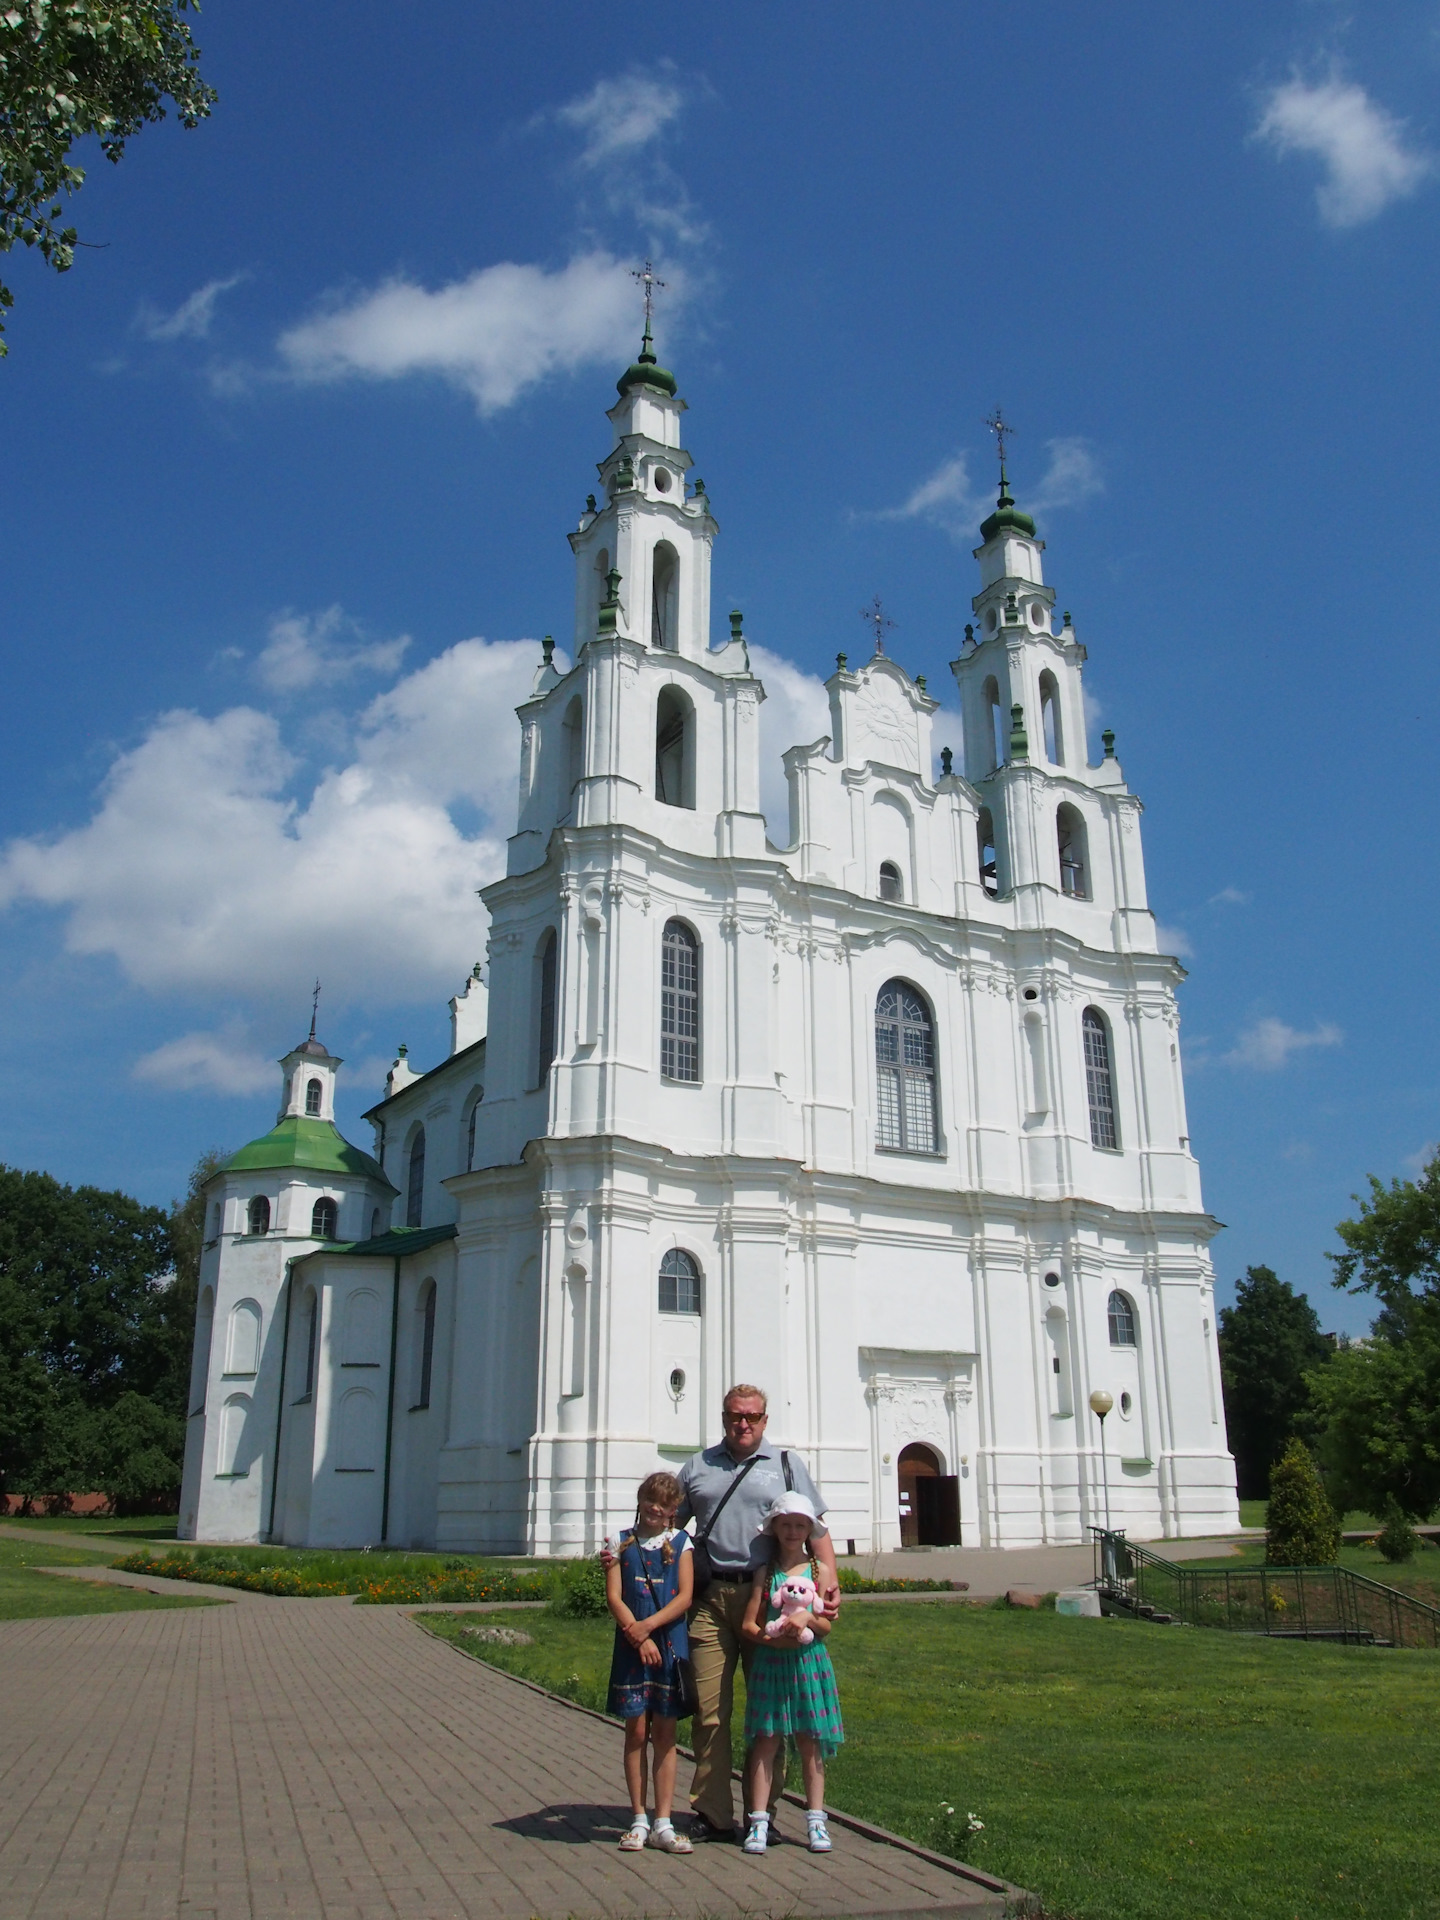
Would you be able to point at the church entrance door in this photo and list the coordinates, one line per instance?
(929, 1500)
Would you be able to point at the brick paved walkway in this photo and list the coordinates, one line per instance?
(308, 1760)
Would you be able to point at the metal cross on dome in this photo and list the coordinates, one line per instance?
(314, 1008)
(999, 426)
(647, 278)
(875, 615)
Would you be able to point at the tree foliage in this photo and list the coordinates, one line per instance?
(1301, 1527)
(97, 1321)
(1269, 1341)
(72, 68)
(1393, 1251)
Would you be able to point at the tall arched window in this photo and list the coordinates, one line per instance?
(324, 1218)
(415, 1187)
(470, 1129)
(426, 1330)
(679, 1282)
(985, 840)
(545, 1052)
(904, 1070)
(1099, 1085)
(1121, 1316)
(996, 736)
(891, 885)
(314, 1093)
(374, 1222)
(312, 1335)
(1050, 719)
(259, 1214)
(574, 748)
(674, 749)
(679, 1003)
(1070, 833)
(664, 582)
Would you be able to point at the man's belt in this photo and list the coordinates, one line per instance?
(728, 1574)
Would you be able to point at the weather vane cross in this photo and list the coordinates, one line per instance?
(876, 616)
(646, 276)
(1000, 427)
(314, 1008)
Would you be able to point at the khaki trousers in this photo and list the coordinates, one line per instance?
(715, 1647)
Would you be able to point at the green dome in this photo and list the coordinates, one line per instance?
(646, 372)
(1007, 517)
(316, 1145)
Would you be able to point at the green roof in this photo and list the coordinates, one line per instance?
(317, 1145)
(647, 372)
(1006, 516)
(393, 1245)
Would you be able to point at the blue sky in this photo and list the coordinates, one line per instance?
(290, 456)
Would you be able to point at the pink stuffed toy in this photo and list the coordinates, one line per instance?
(798, 1595)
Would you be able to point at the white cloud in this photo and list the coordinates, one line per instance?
(495, 334)
(1416, 1163)
(1229, 897)
(1268, 1044)
(1174, 940)
(794, 712)
(1368, 157)
(208, 1062)
(305, 648)
(619, 115)
(192, 319)
(948, 499)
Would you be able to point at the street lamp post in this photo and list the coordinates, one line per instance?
(1100, 1404)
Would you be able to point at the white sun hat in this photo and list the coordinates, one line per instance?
(788, 1503)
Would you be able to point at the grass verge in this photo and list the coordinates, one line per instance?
(27, 1595)
(1122, 1772)
(1420, 1576)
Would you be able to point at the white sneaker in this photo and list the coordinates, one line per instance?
(757, 1834)
(817, 1837)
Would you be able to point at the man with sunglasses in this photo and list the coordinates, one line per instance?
(727, 1491)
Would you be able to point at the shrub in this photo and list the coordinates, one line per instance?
(579, 1591)
(1301, 1527)
(1397, 1539)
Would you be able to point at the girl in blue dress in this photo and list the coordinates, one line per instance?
(648, 1588)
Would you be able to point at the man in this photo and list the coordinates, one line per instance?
(715, 1643)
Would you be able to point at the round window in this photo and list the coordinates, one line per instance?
(662, 480)
(1052, 1279)
(677, 1381)
(1125, 1405)
(1030, 994)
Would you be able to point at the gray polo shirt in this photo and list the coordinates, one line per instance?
(705, 1477)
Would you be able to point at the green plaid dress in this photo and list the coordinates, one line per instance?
(791, 1690)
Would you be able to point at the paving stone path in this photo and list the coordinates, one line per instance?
(314, 1760)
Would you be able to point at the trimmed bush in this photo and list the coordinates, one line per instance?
(1397, 1539)
(1301, 1527)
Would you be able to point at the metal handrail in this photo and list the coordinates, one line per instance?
(1293, 1603)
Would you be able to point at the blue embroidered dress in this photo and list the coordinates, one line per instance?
(791, 1690)
(634, 1687)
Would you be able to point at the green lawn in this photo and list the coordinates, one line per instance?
(1123, 1771)
(1420, 1576)
(152, 1527)
(1252, 1514)
(27, 1596)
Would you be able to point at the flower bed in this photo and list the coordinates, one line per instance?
(852, 1582)
(296, 1583)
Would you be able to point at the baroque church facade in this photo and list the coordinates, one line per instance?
(889, 1119)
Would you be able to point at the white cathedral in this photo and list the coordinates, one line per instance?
(888, 1119)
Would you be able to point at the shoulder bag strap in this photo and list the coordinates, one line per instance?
(704, 1534)
(789, 1477)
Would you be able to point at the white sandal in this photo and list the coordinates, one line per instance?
(635, 1836)
(665, 1839)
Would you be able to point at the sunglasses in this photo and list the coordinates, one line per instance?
(745, 1419)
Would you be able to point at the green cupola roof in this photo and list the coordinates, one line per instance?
(646, 372)
(1007, 517)
(318, 1146)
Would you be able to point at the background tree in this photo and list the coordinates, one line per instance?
(1301, 1526)
(1270, 1340)
(69, 68)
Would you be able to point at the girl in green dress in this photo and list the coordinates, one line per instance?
(790, 1688)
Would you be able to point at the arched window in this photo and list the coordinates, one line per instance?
(1050, 719)
(891, 886)
(985, 838)
(415, 1189)
(664, 582)
(200, 1361)
(679, 1003)
(996, 736)
(425, 1314)
(374, 1222)
(679, 1283)
(470, 1129)
(545, 1052)
(314, 1093)
(258, 1214)
(1070, 832)
(1099, 1086)
(1121, 1316)
(674, 749)
(242, 1345)
(574, 746)
(234, 1453)
(904, 1070)
(312, 1336)
(324, 1219)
